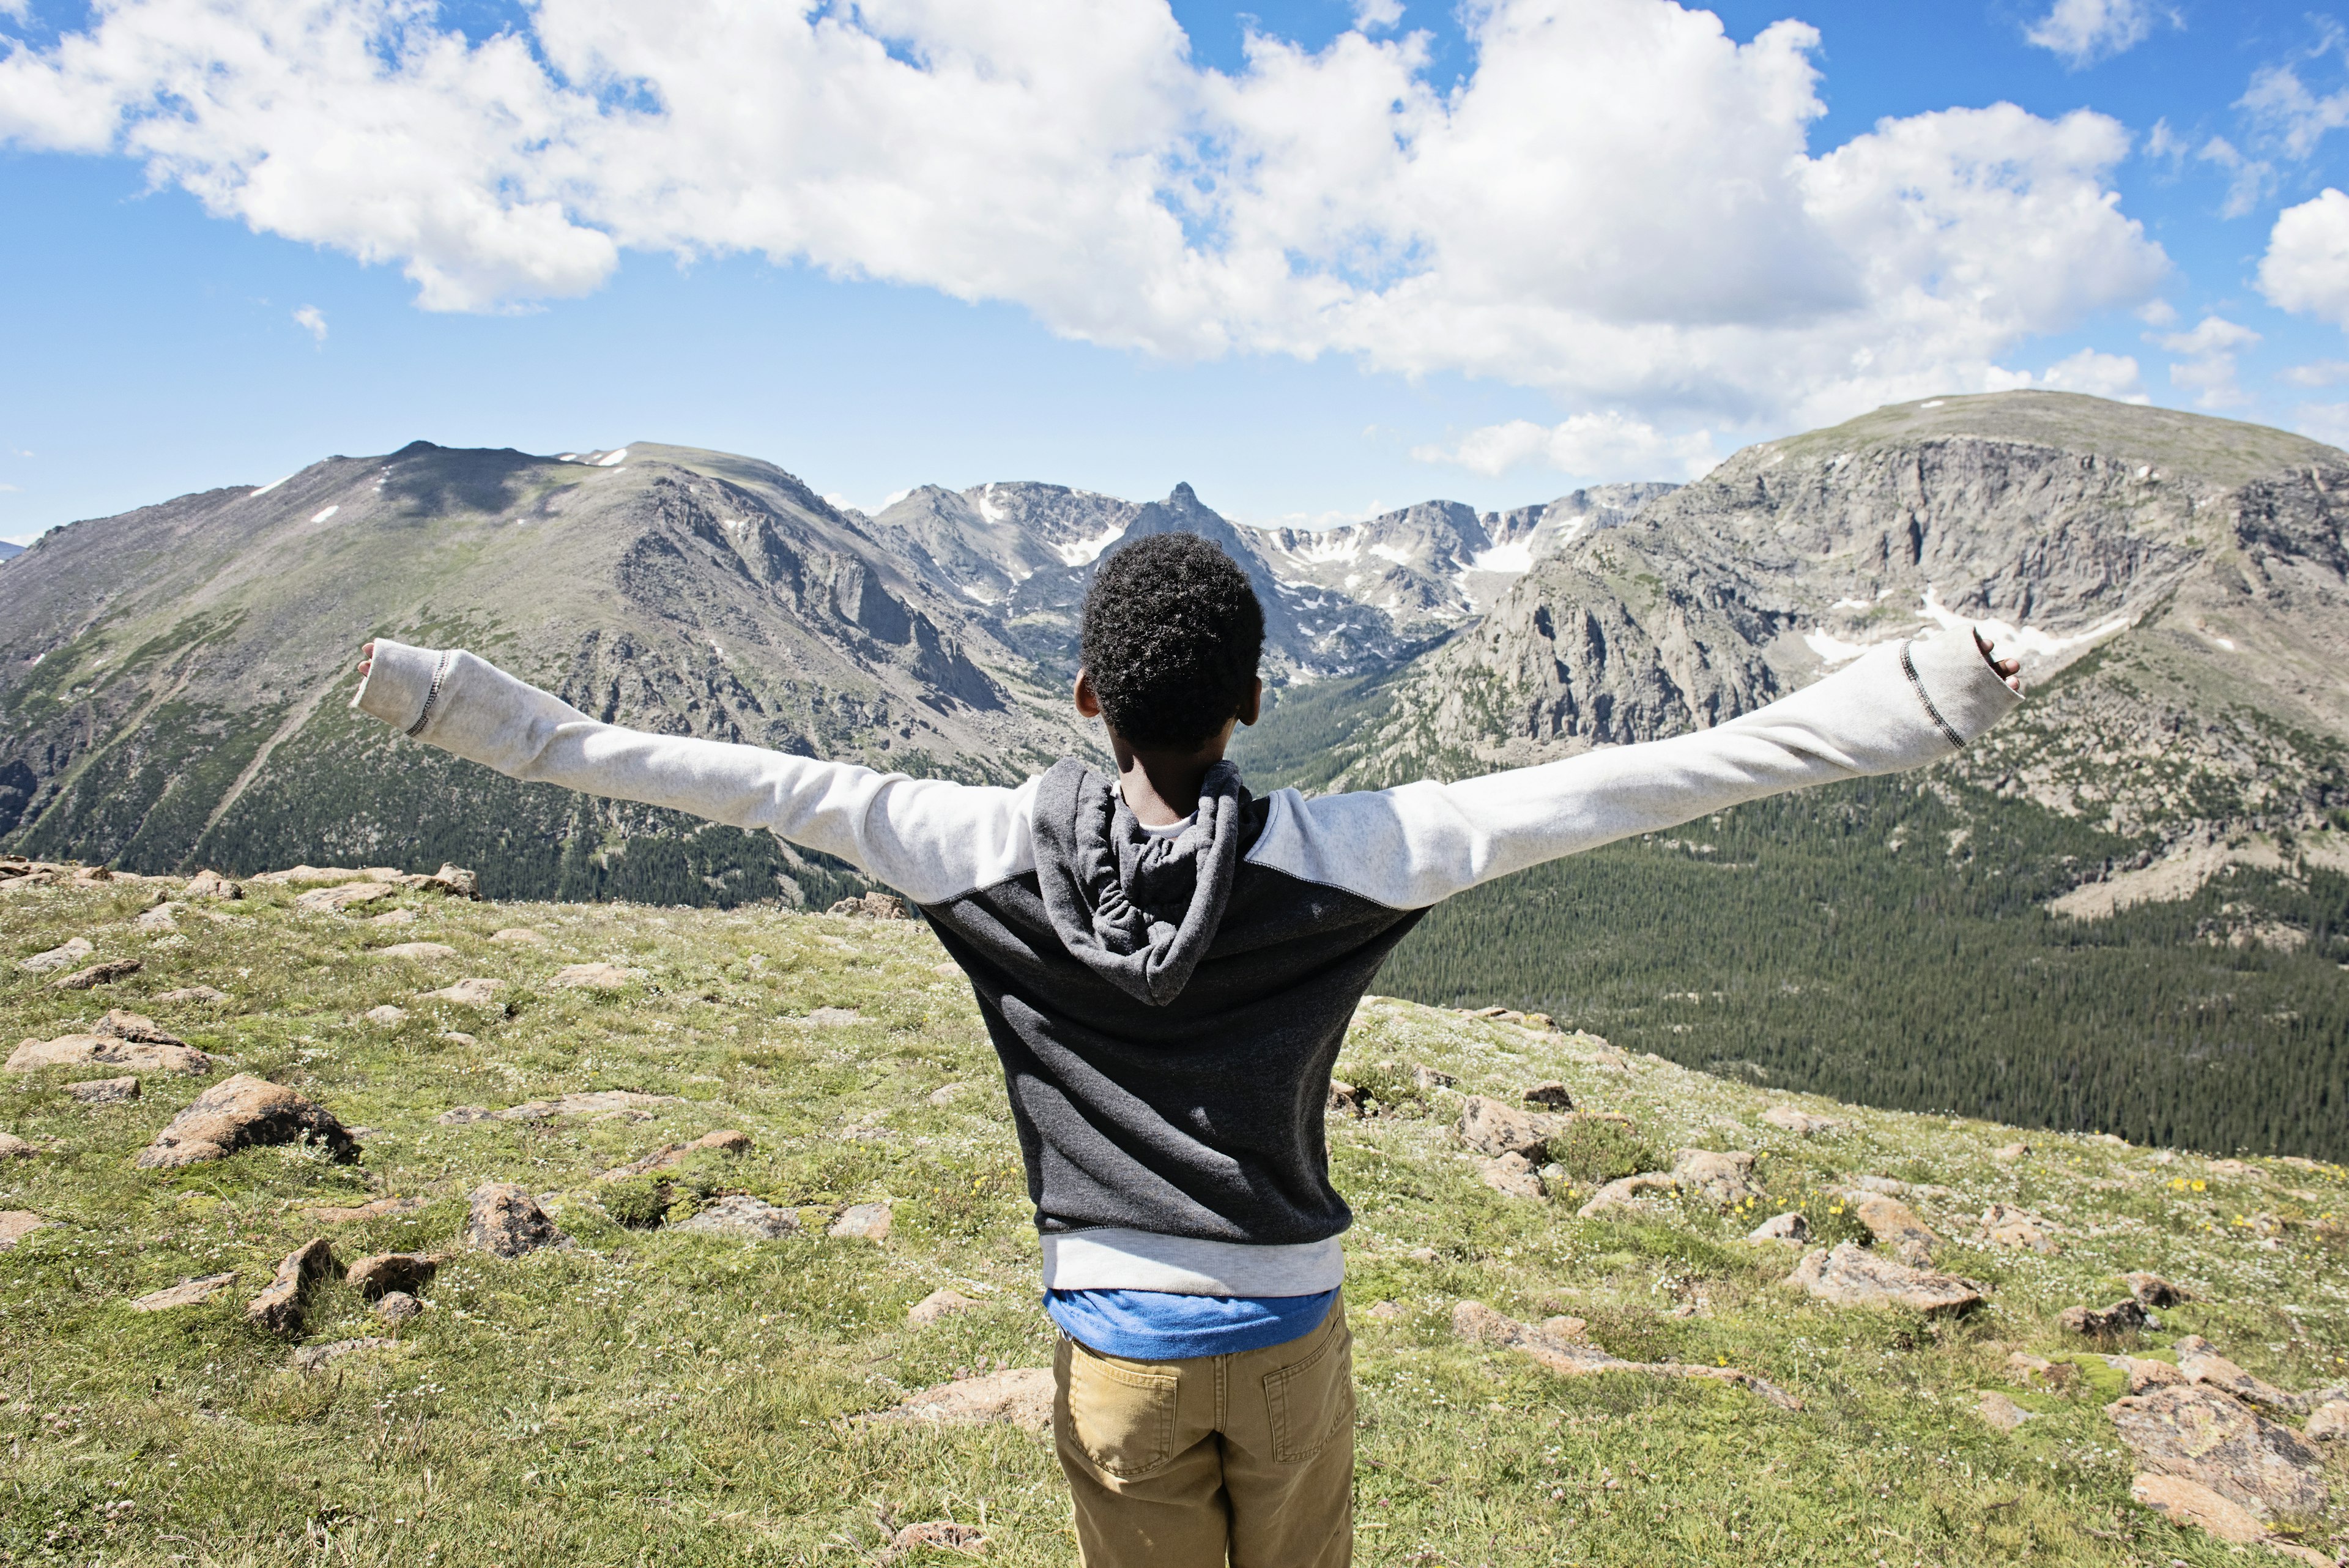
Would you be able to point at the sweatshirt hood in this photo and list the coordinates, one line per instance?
(1138, 911)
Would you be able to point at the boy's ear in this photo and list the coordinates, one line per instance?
(1088, 700)
(1253, 707)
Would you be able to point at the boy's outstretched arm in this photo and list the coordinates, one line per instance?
(1900, 706)
(929, 838)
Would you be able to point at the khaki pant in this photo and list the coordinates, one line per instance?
(1178, 1464)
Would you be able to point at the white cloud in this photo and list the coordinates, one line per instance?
(2087, 31)
(1619, 203)
(2279, 103)
(2209, 366)
(2327, 422)
(2316, 373)
(313, 320)
(1594, 447)
(2156, 313)
(2099, 375)
(2248, 179)
(2306, 267)
(1376, 15)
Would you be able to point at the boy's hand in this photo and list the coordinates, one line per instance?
(367, 656)
(2008, 669)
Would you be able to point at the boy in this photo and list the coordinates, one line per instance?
(1167, 966)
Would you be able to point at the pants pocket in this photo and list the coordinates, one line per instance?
(1312, 1401)
(1120, 1413)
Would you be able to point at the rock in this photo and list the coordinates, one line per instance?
(1344, 1099)
(241, 1113)
(187, 993)
(2002, 1412)
(939, 1304)
(506, 1221)
(1021, 1397)
(397, 1307)
(159, 919)
(833, 1017)
(478, 992)
(1790, 1226)
(118, 1025)
(458, 1115)
(592, 977)
(868, 1221)
(1552, 1095)
(418, 952)
(280, 1306)
(96, 974)
(1851, 1275)
(104, 1091)
(375, 1209)
(871, 907)
(1494, 1127)
(1720, 1180)
(2004, 1225)
(459, 1037)
(1422, 1254)
(2029, 1368)
(2144, 1373)
(330, 900)
(211, 885)
(13, 1147)
(2329, 1423)
(1511, 1176)
(1800, 1122)
(726, 1140)
(2211, 1437)
(16, 1224)
(1422, 1078)
(2184, 1502)
(947, 1094)
(2154, 1291)
(1622, 1192)
(187, 1293)
(739, 1214)
(1883, 1185)
(1556, 1345)
(2199, 1362)
(454, 880)
(83, 1049)
(943, 1534)
(310, 1357)
(1386, 1312)
(1895, 1226)
(382, 1273)
(2124, 1316)
(520, 936)
(75, 949)
(393, 918)
(388, 1016)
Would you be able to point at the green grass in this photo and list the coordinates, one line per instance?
(650, 1396)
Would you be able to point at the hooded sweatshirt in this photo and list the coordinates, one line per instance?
(1167, 1010)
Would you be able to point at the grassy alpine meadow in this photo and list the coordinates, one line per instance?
(648, 1395)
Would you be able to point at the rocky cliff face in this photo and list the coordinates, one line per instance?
(2177, 586)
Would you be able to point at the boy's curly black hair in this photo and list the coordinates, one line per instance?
(1172, 635)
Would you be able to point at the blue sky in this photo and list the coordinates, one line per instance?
(1315, 258)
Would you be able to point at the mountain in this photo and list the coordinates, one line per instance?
(9, 552)
(172, 681)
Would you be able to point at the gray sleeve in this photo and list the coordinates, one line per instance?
(929, 838)
(1902, 706)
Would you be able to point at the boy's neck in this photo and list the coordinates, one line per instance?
(1161, 786)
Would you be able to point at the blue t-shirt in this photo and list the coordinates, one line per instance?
(1156, 1325)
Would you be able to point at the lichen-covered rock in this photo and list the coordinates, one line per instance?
(1344, 1100)
(479, 991)
(71, 952)
(592, 977)
(187, 1293)
(395, 1307)
(104, 1091)
(98, 974)
(863, 1221)
(2124, 1316)
(1724, 1180)
(1495, 1127)
(330, 901)
(283, 1303)
(1895, 1226)
(211, 885)
(13, 1147)
(739, 1214)
(2189, 1504)
(2329, 1423)
(939, 1304)
(725, 1140)
(1791, 1227)
(2154, 1291)
(417, 952)
(2211, 1437)
(381, 1273)
(2001, 1411)
(504, 1220)
(2199, 1362)
(241, 1113)
(85, 1050)
(1020, 1397)
(1851, 1275)
(16, 1224)
(1624, 1191)
(1802, 1123)
(2004, 1225)
(1557, 1344)
(1551, 1096)
(871, 907)
(1511, 1176)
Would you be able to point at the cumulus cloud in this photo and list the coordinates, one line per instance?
(1596, 448)
(2306, 267)
(2208, 368)
(2086, 31)
(313, 320)
(2286, 111)
(1619, 203)
(2100, 375)
(2248, 179)
(2315, 373)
